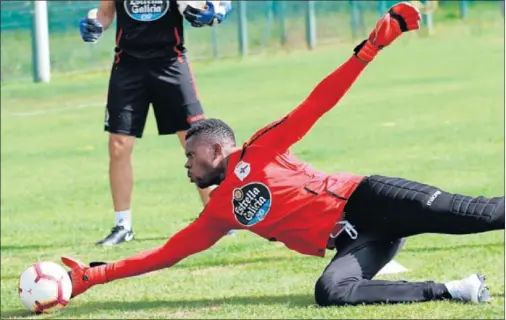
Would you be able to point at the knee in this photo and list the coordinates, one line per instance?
(120, 146)
(321, 293)
(498, 217)
(329, 293)
(493, 210)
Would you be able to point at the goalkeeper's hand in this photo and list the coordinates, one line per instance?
(84, 277)
(201, 17)
(91, 29)
(400, 18)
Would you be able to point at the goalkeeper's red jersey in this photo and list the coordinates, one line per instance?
(267, 190)
(279, 197)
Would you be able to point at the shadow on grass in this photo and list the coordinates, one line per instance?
(88, 308)
(292, 301)
(16, 314)
(190, 305)
(456, 247)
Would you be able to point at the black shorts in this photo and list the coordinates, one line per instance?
(167, 84)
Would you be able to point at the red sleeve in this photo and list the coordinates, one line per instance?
(282, 134)
(200, 235)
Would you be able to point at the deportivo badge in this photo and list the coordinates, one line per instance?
(242, 170)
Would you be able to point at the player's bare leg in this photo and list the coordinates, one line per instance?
(203, 193)
(121, 184)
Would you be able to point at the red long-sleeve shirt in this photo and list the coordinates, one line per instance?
(267, 190)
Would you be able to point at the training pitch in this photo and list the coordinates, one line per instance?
(428, 109)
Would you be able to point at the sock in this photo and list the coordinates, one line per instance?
(442, 291)
(124, 218)
(452, 289)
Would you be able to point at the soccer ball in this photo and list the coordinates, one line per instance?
(44, 287)
(195, 4)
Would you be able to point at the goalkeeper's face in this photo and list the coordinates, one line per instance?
(205, 162)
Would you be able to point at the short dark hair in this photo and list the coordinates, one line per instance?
(214, 129)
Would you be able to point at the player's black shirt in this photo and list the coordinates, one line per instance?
(149, 29)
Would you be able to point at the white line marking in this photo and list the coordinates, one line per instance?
(52, 111)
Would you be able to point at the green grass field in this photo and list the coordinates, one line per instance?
(429, 109)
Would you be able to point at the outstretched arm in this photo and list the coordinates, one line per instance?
(196, 237)
(280, 135)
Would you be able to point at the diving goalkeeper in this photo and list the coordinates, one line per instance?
(267, 190)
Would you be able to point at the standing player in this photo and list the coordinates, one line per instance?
(265, 189)
(150, 67)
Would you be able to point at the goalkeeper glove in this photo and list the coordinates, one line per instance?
(208, 16)
(200, 17)
(401, 17)
(84, 277)
(91, 29)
